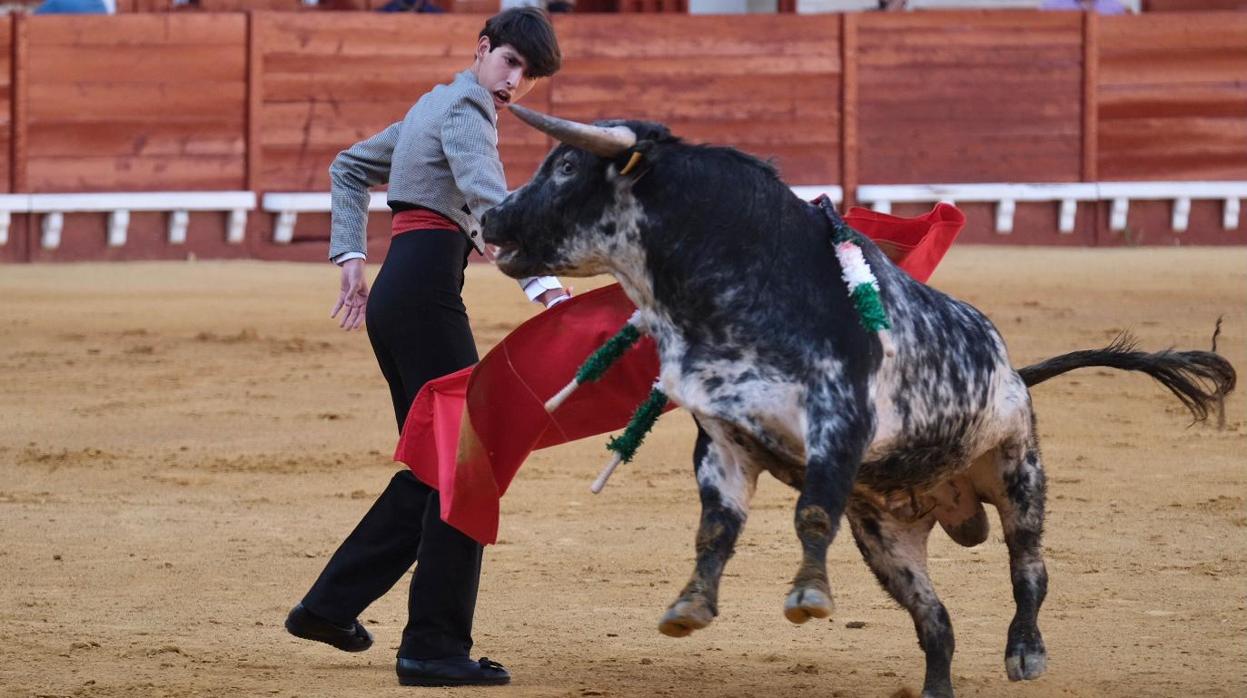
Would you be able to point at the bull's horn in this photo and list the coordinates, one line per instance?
(603, 141)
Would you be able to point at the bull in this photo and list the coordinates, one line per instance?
(736, 280)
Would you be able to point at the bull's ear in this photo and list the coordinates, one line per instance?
(634, 161)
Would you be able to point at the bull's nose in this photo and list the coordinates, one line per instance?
(489, 229)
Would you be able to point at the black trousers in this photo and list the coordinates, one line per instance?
(419, 331)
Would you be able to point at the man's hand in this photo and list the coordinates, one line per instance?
(353, 296)
(554, 296)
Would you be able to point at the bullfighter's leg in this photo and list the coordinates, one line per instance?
(1020, 500)
(726, 480)
(834, 450)
(896, 552)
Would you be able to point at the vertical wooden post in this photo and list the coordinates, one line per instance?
(19, 103)
(1090, 96)
(848, 107)
(255, 98)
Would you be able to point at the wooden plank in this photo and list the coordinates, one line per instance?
(1031, 60)
(723, 89)
(1046, 106)
(820, 63)
(1134, 166)
(1090, 87)
(1161, 33)
(1193, 66)
(6, 101)
(338, 88)
(364, 33)
(19, 85)
(849, 109)
(693, 36)
(433, 69)
(255, 98)
(150, 137)
(1174, 100)
(975, 25)
(185, 64)
(137, 30)
(89, 101)
(1174, 135)
(705, 110)
(73, 174)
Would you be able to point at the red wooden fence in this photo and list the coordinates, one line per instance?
(160, 104)
(6, 102)
(263, 101)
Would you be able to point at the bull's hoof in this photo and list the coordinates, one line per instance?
(1026, 666)
(806, 603)
(1025, 657)
(685, 616)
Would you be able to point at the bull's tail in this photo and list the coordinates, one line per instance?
(1200, 379)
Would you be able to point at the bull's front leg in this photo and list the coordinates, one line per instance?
(726, 480)
(834, 448)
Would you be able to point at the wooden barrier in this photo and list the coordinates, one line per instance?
(1172, 97)
(970, 97)
(770, 85)
(263, 101)
(6, 102)
(136, 103)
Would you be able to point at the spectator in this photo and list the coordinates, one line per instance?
(1104, 7)
(77, 7)
(425, 6)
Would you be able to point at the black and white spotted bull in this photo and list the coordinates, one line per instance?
(737, 281)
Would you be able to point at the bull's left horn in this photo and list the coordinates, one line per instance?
(603, 141)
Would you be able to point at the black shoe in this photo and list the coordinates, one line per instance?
(452, 671)
(302, 623)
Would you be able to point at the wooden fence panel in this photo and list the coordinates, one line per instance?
(136, 102)
(1172, 95)
(970, 97)
(6, 103)
(769, 85)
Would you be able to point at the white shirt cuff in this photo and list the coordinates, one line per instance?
(346, 256)
(536, 285)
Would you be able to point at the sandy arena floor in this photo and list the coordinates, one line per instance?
(183, 445)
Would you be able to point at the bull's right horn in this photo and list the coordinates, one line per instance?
(603, 141)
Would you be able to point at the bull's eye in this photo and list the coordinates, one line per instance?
(567, 168)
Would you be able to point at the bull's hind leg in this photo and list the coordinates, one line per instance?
(833, 455)
(1019, 498)
(896, 552)
(726, 480)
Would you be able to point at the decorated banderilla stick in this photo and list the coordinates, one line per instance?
(602, 359)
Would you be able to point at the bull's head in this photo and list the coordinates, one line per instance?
(578, 213)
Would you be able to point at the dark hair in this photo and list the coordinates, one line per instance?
(527, 30)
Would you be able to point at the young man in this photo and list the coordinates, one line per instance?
(441, 162)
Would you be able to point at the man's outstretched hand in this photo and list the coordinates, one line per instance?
(353, 295)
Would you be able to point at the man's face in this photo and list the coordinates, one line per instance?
(501, 70)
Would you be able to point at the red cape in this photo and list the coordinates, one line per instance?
(472, 461)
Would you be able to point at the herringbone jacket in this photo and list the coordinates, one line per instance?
(442, 156)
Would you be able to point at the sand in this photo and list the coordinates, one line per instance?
(183, 445)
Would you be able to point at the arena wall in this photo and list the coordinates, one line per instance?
(262, 102)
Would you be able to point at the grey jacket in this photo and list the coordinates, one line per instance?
(442, 156)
